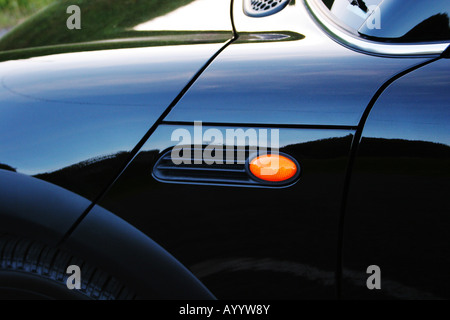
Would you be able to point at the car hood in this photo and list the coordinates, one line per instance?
(72, 102)
(57, 111)
(117, 24)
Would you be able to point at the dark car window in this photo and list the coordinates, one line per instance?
(351, 13)
(395, 20)
(412, 21)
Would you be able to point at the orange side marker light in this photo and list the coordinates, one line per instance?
(273, 168)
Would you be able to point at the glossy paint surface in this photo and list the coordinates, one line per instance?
(398, 208)
(63, 111)
(245, 242)
(298, 76)
(32, 208)
(73, 111)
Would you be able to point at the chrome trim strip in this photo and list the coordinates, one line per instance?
(318, 11)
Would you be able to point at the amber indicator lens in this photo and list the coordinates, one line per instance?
(273, 168)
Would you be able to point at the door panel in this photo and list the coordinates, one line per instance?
(398, 216)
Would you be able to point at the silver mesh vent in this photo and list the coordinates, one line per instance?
(262, 8)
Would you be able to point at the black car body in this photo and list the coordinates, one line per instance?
(87, 118)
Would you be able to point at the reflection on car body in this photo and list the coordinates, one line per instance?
(87, 122)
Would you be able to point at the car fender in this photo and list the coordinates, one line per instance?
(34, 208)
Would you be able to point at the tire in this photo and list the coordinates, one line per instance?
(32, 270)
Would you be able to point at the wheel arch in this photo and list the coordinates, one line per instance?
(44, 212)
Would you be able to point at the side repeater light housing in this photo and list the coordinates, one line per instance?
(276, 169)
(263, 170)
